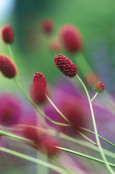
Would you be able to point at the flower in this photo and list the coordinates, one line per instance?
(71, 38)
(7, 34)
(7, 67)
(54, 45)
(72, 105)
(65, 65)
(10, 110)
(38, 88)
(47, 26)
(99, 87)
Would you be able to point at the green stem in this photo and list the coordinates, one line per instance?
(57, 109)
(95, 128)
(109, 142)
(35, 106)
(85, 156)
(29, 158)
(88, 139)
(60, 135)
(94, 96)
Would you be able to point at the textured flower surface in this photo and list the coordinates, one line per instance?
(99, 87)
(7, 34)
(71, 38)
(65, 65)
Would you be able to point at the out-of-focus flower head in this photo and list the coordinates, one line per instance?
(7, 67)
(47, 26)
(71, 104)
(91, 78)
(71, 38)
(55, 45)
(7, 34)
(10, 110)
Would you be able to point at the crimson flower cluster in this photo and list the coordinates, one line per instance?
(65, 65)
(99, 87)
(7, 34)
(7, 67)
(38, 88)
(42, 142)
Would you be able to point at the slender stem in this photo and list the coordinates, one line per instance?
(3, 133)
(11, 53)
(35, 106)
(99, 136)
(95, 128)
(88, 139)
(83, 155)
(94, 96)
(60, 135)
(57, 109)
(29, 158)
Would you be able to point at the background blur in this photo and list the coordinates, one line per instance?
(94, 19)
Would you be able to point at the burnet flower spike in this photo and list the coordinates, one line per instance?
(99, 87)
(38, 88)
(47, 26)
(7, 34)
(7, 67)
(65, 65)
(71, 38)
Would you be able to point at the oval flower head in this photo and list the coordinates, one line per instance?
(38, 88)
(99, 87)
(47, 26)
(65, 65)
(7, 67)
(7, 34)
(71, 38)
(10, 110)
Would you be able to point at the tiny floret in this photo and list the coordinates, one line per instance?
(99, 87)
(39, 78)
(7, 34)
(47, 26)
(65, 65)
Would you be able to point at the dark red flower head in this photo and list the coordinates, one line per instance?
(65, 65)
(7, 34)
(99, 87)
(48, 146)
(71, 38)
(38, 88)
(39, 78)
(7, 67)
(33, 134)
(47, 26)
(10, 110)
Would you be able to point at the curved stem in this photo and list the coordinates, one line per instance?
(35, 106)
(88, 139)
(83, 155)
(57, 109)
(29, 158)
(94, 96)
(99, 136)
(95, 128)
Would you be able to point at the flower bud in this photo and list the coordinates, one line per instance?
(99, 87)
(47, 26)
(7, 67)
(71, 38)
(7, 34)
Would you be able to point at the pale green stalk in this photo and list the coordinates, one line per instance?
(95, 128)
